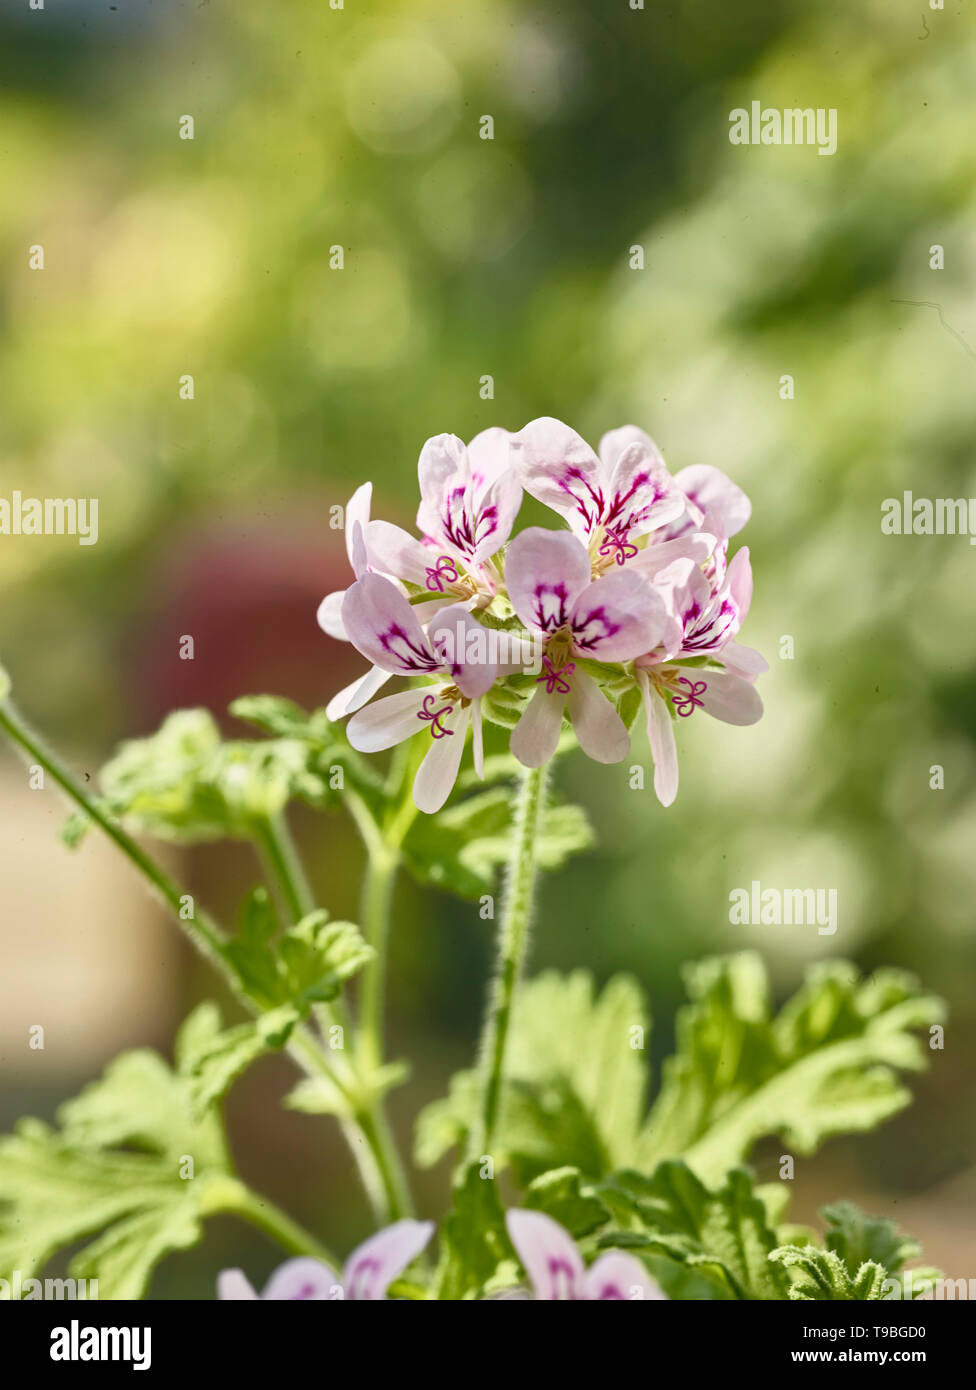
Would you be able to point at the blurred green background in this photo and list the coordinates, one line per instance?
(509, 258)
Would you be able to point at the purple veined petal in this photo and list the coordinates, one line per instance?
(447, 513)
(389, 721)
(614, 442)
(548, 1255)
(536, 735)
(384, 628)
(329, 615)
(712, 492)
(463, 646)
(372, 1266)
(728, 697)
(545, 573)
(618, 617)
(395, 552)
(660, 734)
(495, 512)
(744, 661)
(557, 467)
(601, 732)
(356, 521)
(620, 1276)
(302, 1279)
(234, 1284)
(489, 455)
(355, 695)
(438, 772)
(641, 495)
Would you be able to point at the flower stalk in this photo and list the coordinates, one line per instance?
(513, 943)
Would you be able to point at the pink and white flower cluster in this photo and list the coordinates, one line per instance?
(635, 591)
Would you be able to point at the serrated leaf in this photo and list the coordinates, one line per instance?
(576, 1085)
(562, 1194)
(822, 1276)
(827, 1064)
(116, 1169)
(725, 1231)
(308, 965)
(462, 847)
(858, 1238)
(212, 1058)
(473, 1242)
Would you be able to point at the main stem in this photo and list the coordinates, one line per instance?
(365, 1141)
(513, 943)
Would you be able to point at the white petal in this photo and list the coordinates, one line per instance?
(744, 661)
(477, 739)
(382, 625)
(601, 732)
(618, 617)
(234, 1284)
(620, 1276)
(660, 733)
(548, 1254)
(302, 1279)
(354, 696)
(372, 1266)
(536, 735)
(329, 616)
(438, 772)
(388, 722)
(716, 495)
(728, 697)
(356, 521)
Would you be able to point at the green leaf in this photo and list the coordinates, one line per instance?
(723, 1234)
(462, 847)
(117, 1169)
(211, 1058)
(474, 1241)
(822, 1276)
(858, 1238)
(827, 1064)
(309, 964)
(562, 1194)
(564, 1104)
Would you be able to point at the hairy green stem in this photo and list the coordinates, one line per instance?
(365, 1139)
(513, 940)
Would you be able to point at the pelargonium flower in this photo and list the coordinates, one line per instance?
(556, 1270)
(368, 1273)
(614, 618)
(452, 653)
(469, 498)
(708, 614)
(611, 500)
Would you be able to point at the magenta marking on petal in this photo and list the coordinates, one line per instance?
(465, 525)
(596, 628)
(687, 704)
(590, 514)
(562, 1278)
(306, 1291)
(556, 680)
(444, 571)
(428, 713)
(410, 655)
(547, 617)
(359, 1282)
